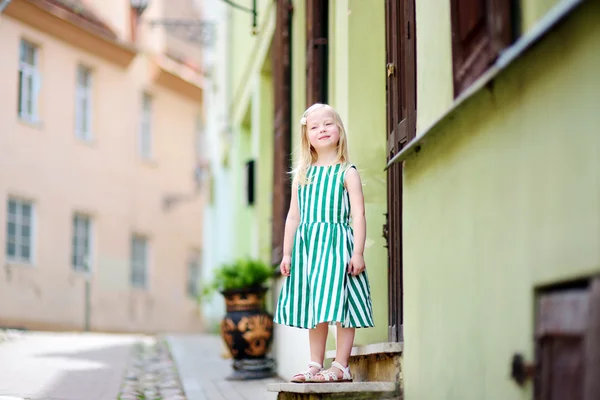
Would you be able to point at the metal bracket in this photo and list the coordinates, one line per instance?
(252, 11)
(520, 370)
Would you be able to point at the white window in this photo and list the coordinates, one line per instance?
(145, 139)
(19, 231)
(29, 82)
(82, 243)
(139, 262)
(193, 274)
(83, 104)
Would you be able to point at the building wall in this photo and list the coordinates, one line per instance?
(47, 164)
(218, 216)
(502, 200)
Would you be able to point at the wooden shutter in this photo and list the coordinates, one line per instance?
(401, 128)
(568, 344)
(282, 81)
(317, 21)
(480, 30)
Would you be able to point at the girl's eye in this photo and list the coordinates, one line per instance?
(329, 124)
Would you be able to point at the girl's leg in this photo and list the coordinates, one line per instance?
(317, 339)
(345, 340)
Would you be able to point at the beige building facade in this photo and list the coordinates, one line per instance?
(99, 155)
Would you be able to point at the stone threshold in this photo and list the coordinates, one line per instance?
(344, 387)
(369, 349)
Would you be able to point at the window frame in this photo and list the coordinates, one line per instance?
(143, 263)
(193, 278)
(84, 103)
(90, 243)
(28, 70)
(145, 139)
(18, 258)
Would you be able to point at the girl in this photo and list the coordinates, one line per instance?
(322, 255)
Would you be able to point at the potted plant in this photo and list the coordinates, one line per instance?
(246, 328)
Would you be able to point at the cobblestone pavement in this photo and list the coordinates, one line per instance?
(63, 366)
(151, 374)
(203, 371)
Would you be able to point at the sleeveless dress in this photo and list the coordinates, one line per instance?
(319, 288)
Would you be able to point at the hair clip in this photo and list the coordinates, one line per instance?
(303, 121)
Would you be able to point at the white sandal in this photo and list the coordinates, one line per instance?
(306, 376)
(330, 376)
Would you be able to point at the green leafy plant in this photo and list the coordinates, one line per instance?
(241, 274)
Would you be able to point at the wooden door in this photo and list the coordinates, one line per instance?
(317, 20)
(282, 80)
(568, 344)
(401, 127)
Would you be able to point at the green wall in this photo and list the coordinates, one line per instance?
(503, 198)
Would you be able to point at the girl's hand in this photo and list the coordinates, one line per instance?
(356, 264)
(285, 265)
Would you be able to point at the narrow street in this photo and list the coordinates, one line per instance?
(94, 366)
(64, 366)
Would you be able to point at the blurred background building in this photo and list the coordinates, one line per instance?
(100, 166)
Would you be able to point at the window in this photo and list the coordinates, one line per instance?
(480, 30)
(145, 142)
(29, 82)
(193, 274)
(82, 241)
(19, 231)
(83, 104)
(139, 262)
(567, 337)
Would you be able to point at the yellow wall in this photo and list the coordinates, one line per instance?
(361, 93)
(503, 198)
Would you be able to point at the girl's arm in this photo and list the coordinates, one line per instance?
(291, 224)
(359, 223)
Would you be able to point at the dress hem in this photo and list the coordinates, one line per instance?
(333, 322)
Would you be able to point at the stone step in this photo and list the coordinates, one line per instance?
(378, 362)
(346, 390)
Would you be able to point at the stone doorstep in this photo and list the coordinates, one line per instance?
(344, 387)
(370, 349)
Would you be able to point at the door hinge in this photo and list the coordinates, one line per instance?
(386, 231)
(408, 30)
(391, 69)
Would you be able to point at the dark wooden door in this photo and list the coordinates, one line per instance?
(568, 344)
(282, 81)
(401, 127)
(317, 35)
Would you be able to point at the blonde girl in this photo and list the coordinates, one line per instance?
(326, 282)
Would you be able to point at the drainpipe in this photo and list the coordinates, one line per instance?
(3, 5)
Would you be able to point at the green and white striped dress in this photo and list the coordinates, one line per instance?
(319, 288)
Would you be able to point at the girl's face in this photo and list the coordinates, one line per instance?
(322, 131)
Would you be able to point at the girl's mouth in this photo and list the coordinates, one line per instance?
(324, 137)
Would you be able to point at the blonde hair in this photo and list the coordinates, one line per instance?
(308, 154)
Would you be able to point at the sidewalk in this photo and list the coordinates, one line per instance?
(202, 371)
(64, 366)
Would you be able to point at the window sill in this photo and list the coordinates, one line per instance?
(30, 122)
(19, 264)
(149, 161)
(87, 142)
(560, 12)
